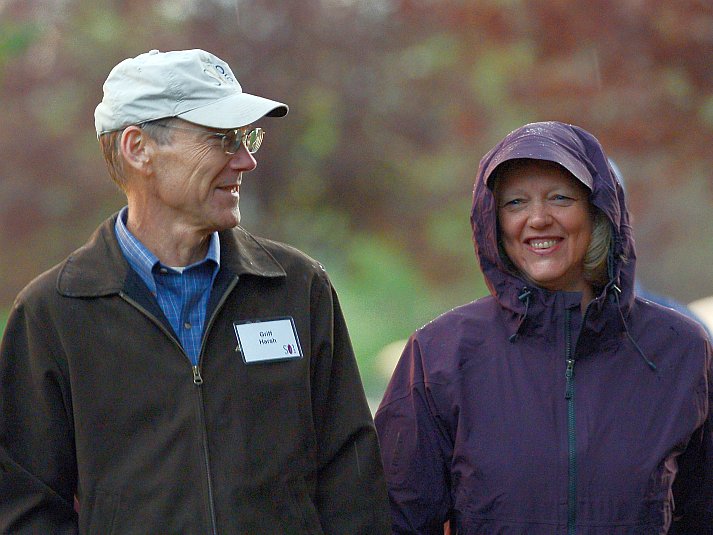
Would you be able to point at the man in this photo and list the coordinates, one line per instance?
(177, 374)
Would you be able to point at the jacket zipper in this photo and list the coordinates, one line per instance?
(198, 381)
(571, 429)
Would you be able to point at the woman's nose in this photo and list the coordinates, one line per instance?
(539, 215)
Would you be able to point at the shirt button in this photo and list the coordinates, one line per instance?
(187, 325)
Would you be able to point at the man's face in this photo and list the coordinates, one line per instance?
(195, 184)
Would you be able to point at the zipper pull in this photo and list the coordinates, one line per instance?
(197, 379)
(569, 374)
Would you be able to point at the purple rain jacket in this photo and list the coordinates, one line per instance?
(517, 414)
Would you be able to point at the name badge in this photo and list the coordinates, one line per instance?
(267, 340)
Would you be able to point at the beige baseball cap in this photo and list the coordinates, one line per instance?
(194, 85)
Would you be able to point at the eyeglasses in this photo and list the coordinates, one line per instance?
(232, 139)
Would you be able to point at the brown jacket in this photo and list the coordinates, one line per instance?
(98, 400)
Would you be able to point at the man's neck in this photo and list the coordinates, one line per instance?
(174, 244)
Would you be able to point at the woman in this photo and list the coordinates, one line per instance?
(560, 404)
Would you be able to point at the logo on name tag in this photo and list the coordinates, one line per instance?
(267, 340)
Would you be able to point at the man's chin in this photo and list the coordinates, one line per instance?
(226, 223)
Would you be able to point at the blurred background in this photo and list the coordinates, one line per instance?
(392, 105)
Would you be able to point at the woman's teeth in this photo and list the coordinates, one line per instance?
(543, 244)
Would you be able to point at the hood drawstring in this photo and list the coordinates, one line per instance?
(615, 292)
(524, 297)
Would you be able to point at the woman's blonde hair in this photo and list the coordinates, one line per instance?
(596, 259)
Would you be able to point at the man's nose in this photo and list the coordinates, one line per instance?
(242, 159)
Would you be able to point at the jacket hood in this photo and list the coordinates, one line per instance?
(580, 153)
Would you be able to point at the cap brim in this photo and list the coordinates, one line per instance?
(541, 148)
(235, 111)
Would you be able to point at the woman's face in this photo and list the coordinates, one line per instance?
(545, 224)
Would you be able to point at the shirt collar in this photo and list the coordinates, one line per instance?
(143, 261)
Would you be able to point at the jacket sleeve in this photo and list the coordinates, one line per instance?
(351, 491)
(693, 488)
(37, 460)
(415, 449)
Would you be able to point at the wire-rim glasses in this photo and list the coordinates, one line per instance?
(231, 140)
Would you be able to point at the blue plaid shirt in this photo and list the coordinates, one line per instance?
(182, 296)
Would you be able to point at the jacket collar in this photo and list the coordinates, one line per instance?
(99, 267)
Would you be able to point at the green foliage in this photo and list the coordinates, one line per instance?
(321, 132)
(706, 111)
(495, 70)
(435, 54)
(3, 321)
(385, 298)
(15, 38)
(56, 106)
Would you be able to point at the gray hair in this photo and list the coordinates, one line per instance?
(109, 144)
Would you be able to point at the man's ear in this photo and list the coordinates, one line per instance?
(135, 148)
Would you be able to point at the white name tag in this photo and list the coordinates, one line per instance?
(268, 340)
